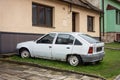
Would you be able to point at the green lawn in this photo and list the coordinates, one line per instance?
(109, 68)
(113, 45)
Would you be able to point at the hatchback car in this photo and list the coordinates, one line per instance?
(72, 47)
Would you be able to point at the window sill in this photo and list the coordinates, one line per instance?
(42, 26)
(91, 31)
(117, 24)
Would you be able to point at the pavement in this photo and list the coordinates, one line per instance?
(13, 71)
(117, 78)
(26, 71)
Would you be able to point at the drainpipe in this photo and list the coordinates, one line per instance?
(103, 17)
(0, 42)
(70, 6)
(100, 26)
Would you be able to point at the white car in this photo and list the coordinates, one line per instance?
(72, 47)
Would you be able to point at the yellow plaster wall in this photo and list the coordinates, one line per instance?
(16, 16)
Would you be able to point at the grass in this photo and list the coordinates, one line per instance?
(113, 45)
(109, 68)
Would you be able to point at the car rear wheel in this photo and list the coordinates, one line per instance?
(74, 60)
(25, 54)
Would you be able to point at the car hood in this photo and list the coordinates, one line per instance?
(25, 44)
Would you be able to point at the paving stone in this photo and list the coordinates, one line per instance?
(24, 75)
(117, 78)
(9, 77)
(9, 71)
(35, 77)
(89, 78)
(1, 77)
(71, 79)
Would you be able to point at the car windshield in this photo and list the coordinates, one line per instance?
(89, 38)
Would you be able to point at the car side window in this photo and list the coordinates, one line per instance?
(64, 39)
(48, 39)
(77, 42)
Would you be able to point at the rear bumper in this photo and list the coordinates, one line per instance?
(93, 57)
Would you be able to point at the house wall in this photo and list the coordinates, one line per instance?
(109, 15)
(16, 18)
(111, 20)
(8, 41)
(111, 37)
(83, 21)
(112, 15)
(111, 29)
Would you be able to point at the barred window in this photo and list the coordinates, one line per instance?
(41, 15)
(117, 17)
(90, 23)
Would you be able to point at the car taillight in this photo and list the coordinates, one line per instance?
(90, 51)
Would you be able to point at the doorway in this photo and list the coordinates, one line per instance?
(73, 22)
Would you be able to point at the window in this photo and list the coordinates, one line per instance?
(65, 39)
(88, 38)
(48, 39)
(77, 42)
(90, 23)
(41, 15)
(117, 17)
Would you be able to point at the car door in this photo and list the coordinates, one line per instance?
(43, 46)
(63, 46)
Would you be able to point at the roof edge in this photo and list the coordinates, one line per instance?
(85, 3)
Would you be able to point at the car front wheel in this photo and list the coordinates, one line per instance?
(25, 54)
(74, 60)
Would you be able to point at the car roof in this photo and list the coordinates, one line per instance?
(73, 33)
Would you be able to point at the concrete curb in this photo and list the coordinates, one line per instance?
(50, 68)
(117, 78)
(7, 55)
(112, 48)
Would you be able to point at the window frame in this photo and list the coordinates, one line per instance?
(89, 38)
(39, 40)
(118, 17)
(89, 24)
(45, 14)
(80, 44)
(68, 38)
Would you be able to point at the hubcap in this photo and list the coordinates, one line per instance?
(73, 60)
(25, 54)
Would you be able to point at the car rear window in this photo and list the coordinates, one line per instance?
(89, 38)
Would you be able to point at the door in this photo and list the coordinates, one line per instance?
(118, 37)
(73, 22)
(63, 46)
(43, 47)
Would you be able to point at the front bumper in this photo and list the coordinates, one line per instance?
(17, 51)
(93, 57)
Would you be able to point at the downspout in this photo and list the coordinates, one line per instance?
(71, 6)
(0, 42)
(100, 26)
(103, 17)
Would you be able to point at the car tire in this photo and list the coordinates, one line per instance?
(24, 53)
(74, 60)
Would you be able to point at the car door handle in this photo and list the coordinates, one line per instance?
(67, 47)
(50, 46)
